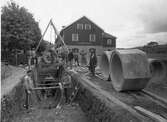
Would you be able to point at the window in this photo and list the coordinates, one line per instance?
(87, 26)
(109, 42)
(92, 37)
(80, 26)
(74, 37)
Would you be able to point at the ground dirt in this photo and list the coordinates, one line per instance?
(159, 88)
(68, 113)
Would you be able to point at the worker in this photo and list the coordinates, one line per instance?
(70, 58)
(93, 62)
(76, 59)
(28, 84)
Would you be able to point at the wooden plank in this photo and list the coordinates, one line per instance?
(151, 114)
(48, 84)
(156, 96)
(49, 80)
(53, 87)
(39, 88)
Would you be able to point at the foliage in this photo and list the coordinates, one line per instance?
(152, 43)
(19, 30)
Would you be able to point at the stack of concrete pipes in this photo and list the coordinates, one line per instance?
(131, 69)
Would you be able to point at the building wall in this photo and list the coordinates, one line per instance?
(83, 34)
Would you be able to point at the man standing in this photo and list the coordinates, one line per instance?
(28, 83)
(76, 58)
(93, 62)
(70, 58)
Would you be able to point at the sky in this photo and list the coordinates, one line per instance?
(133, 22)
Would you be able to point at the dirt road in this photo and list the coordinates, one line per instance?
(11, 81)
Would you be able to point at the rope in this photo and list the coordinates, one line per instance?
(59, 36)
(56, 33)
(42, 36)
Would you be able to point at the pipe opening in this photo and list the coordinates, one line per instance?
(105, 65)
(116, 70)
(157, 70)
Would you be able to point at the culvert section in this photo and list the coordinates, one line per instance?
(158, 69)
(129, 70)
(105, 63)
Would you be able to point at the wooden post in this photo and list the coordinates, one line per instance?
(16, 56)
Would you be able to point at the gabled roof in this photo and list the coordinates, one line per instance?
(80, 19)
(107, 35)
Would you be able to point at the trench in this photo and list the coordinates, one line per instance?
(96, 100)
(89, 105)
(41, 109)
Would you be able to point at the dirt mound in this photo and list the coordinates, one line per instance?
(6, 71)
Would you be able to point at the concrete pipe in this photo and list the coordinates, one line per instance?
(105, 63)
(158, 70)
(129, 70)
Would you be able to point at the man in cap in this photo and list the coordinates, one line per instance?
(28, 84)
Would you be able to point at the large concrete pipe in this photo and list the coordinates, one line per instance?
(105, 63)
(129, 69)
(158, 70)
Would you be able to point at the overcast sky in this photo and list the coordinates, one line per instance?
(133, 22)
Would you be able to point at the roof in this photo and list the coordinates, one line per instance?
(78, 20)
(107, 35)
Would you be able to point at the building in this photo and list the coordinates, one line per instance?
(84, 34)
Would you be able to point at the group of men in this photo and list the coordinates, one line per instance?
(73, 56)
(53, 63)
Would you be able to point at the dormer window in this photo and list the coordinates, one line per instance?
(80, 26)
(87, 26)
(109, 42)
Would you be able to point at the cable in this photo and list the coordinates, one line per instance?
(50, 35)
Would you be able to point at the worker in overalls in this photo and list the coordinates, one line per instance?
(76, 58)
(70, 58)
(28, 85)
(93, 62)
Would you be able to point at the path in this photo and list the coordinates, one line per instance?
(10, 82)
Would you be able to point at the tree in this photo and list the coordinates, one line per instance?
(19, 30)
(152, 43)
